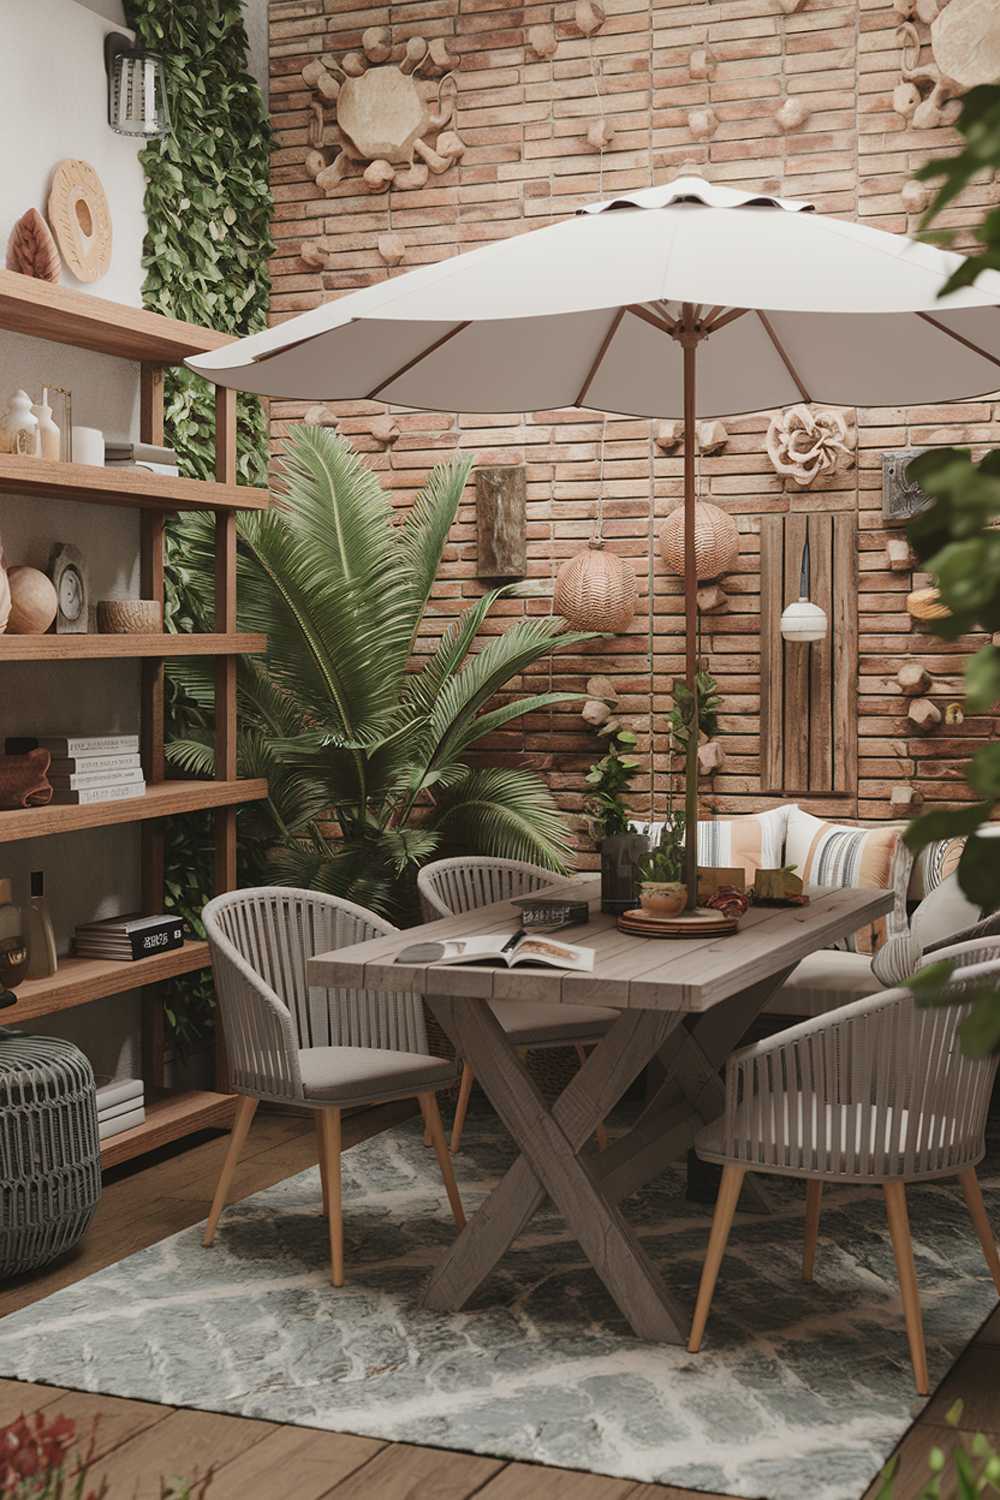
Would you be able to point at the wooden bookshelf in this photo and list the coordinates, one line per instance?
(114, 485)
(170, 1114)
(123, 647)
(38, 309)
(80, 981)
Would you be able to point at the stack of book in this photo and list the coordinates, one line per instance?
(129, 937)
(141, 456)
(120, 1106)
(89, 768)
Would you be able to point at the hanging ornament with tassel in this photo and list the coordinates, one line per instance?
(596, 589)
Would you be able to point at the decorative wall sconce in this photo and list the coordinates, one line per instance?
(803, 620)
(137, 88)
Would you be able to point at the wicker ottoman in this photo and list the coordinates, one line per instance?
(50, 1158)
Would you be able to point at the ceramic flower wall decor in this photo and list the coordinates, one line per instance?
(803, 444)
(392, 111)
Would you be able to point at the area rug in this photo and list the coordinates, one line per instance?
(801, 1390)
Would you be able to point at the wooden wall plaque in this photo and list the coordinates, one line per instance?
(808, 692)
(501, 521)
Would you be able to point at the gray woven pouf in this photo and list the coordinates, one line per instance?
(50, 1155)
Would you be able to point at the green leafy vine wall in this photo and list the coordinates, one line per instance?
(208, 214)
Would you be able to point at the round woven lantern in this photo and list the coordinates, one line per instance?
(716, 541)
(596, 590)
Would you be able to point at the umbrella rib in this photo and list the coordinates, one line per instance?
(959, 338)
(599, 357)
(713, 324)
(403, 369)
(793, 372)
(647, 317)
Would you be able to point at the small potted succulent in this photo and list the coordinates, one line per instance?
(662, 892)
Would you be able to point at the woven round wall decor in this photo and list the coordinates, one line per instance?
(81, 219)
(596, 590)
(716, 541)
(925, 604)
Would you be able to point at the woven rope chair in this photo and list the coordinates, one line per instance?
(449, 887)
(878, 1091)
(326, 1049)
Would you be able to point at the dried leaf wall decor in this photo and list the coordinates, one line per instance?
(31, 248)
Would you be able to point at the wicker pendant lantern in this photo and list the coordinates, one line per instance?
(716, 541)
(595, 589)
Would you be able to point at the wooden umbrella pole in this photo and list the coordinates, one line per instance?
(690, 335)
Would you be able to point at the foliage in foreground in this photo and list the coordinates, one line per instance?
(976, 1469)
(40, 1460)
(957, 540)
(370, 763)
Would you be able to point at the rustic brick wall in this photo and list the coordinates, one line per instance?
(524, 120)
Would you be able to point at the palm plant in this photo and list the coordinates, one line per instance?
(366, 757)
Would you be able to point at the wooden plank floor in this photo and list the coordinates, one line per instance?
(139, 1441)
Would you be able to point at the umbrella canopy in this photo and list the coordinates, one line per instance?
(585, 313)
(681, 299)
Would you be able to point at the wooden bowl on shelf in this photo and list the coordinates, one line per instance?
(130, 617)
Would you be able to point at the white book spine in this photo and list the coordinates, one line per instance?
(121, 1091)
(92, 765)
(99, 744)
(126, 1121)
(84, 780)
(94, 794)
(113, 1111)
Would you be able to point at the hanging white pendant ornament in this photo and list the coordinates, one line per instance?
(804, 621)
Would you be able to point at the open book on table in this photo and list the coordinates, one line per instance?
(501, 948)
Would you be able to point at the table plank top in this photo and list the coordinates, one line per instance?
(691, 974)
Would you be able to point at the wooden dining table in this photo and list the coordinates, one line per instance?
(685, 1003)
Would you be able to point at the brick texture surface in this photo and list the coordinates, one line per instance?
(524, 120)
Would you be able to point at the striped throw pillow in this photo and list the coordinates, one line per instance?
(933, 865)
(753, 841)
(832, 856)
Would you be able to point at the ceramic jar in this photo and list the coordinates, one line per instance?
(19, 427)
(663, 898)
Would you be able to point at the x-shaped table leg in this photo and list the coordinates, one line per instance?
(551, 1164)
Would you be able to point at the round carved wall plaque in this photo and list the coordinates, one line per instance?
(80, 219)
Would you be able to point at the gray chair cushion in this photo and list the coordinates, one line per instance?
(356, 1075)
(533, 1025)
(823, 981)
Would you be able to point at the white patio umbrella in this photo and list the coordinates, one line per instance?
(620, 306)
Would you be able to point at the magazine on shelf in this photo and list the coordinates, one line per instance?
(84, 781)
(130, 937)
(120, 1123)
(113, 1093)
(501, 948)
(115, 1111)
(93, 765)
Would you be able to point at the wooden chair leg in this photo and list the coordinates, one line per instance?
(432, 1122)
(245, 1111)
(725, 1208)
(902, 1244)
(330, 1127)
(600, 1132)
(462, 1107)
(321, 1153)
(977, 1212)
(814, 1198)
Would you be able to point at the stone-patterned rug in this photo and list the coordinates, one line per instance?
(799, 1391)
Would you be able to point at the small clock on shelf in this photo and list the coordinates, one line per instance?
(69, 577)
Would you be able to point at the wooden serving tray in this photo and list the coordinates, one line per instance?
(695, 924)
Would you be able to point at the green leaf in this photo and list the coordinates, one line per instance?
(944, 824)
(982, 680)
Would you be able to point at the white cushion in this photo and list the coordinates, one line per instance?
(942, 913)
(822, 982)
(352, 1075)
(526, 1023)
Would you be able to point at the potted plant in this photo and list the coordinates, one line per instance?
(662, 892)
(621, 848)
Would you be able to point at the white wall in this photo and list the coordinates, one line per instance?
(53, 104)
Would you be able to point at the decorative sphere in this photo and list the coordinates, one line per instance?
(716, 541)
(804, 621)
(596, 590)
(33, 601)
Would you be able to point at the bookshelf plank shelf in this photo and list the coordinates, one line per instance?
(118, 647)
(123, 486)
(162, 799)
(68, 317)
(79, 981)
(170, 1114)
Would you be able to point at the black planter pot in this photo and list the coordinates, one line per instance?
(622, 855)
